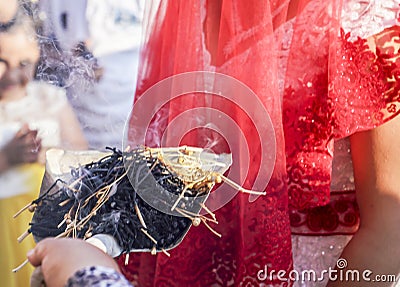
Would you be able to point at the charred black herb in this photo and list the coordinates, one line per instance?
(100, 199)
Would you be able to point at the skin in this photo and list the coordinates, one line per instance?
(375, 246)
(19, 54)
(23, 148)
(376, 167)
(377, 175)
(8, 8)
(60, 258)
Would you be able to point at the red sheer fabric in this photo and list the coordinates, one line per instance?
(344, 87)
(331, 87)
(349, 85)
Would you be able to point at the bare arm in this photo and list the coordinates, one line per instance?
(376, 163)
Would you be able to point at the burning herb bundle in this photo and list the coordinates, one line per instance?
(146, 199)
(102, 198)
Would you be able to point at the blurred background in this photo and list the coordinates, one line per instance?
(67, 80)
(91, 48)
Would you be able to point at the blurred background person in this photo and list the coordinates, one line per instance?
(34, 116)
(100, 43)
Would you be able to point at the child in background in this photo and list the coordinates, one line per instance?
(34, 116)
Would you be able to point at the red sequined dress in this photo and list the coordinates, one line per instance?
(362, 99)
(329, 72)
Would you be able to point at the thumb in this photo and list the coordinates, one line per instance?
(36, 255)
(23, 130)
(34, 258)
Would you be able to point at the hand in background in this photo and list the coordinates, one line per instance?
(60, 258)
(23, 148)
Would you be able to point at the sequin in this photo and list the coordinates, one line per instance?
(361, 92)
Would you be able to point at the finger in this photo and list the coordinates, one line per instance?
(25, 139)
(25, 126)
(30, 136)
(29, 146)
(36, 255)
(33, 146)
(38, 143)
(30, 153)
(22, 131)
(33, 133)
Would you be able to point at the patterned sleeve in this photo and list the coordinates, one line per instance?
(366, 71)
(342, 77)
(97, 276)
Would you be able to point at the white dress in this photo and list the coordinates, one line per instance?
(40, 109)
